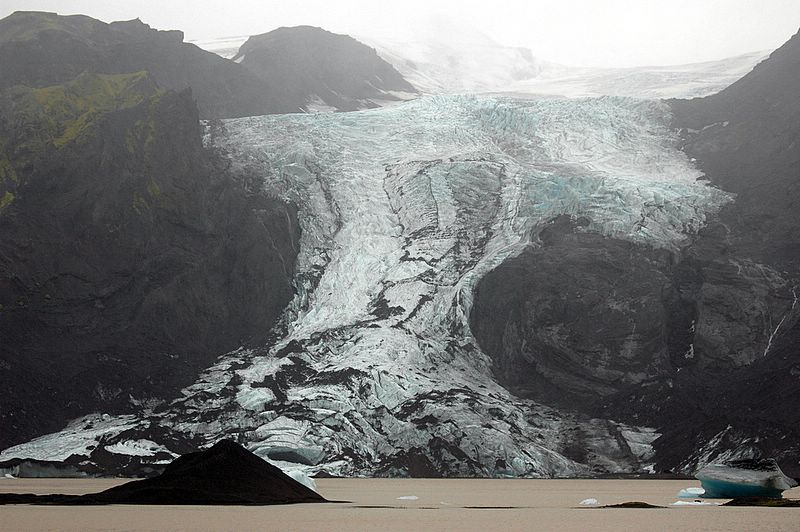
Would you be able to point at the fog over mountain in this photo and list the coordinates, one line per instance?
(393, 253)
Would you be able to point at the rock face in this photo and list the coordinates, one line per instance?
(746, 140)
(700, 341)
(322, 70)
(226, 473)
(577, 318)
(130, 256)
(40, 49)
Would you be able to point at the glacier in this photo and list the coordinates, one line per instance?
(372, 369)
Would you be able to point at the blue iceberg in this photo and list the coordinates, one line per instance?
(744, 478)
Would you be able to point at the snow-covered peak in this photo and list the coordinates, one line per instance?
(442, 56)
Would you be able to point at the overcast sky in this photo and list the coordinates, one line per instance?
(576, 32)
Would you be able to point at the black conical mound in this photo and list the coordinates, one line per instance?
(227, 473)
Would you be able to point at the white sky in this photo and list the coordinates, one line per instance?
(575, 32)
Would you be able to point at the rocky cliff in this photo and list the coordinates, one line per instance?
(699, 342)
(129, 255)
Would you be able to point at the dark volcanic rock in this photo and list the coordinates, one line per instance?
(129, 256)
(40, 49)
(701, 344)
(227, 473)
(576, 319)
(747, 140)
(316, 66)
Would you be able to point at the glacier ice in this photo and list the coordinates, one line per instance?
(691, 493)
(403, 209)
(744, 478)
(303, 479)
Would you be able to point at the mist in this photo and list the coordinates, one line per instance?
(600, 33)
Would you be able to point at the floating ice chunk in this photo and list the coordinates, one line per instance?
(744, 478)
(408, 498)
(9, 475)
(691, 493)
(695, 503)
(589, 502)
(303, 479)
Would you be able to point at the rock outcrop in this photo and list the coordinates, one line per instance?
(130, 256)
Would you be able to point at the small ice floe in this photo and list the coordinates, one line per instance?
(691, 493)
(303, 479)
(588, 502)
(408, 498)
(9, 475)
(695, 503)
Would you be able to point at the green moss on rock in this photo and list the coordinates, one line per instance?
(7, 173)
(63, 114)
(140, 204)
(5, 201)
(70, 109)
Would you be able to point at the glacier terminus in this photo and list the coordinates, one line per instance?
(373, 368)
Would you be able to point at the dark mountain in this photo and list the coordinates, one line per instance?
(282, 71)
(320, 67)
(747, 140)
(40, 49)
(226, 473)
(130, 256)
(700, 343)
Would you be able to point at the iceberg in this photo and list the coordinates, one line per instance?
(691, 493)
(744, 478)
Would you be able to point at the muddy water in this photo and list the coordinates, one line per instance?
(409, 504)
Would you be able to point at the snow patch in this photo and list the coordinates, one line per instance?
(138, 448)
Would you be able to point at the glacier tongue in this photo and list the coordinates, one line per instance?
(374, 369)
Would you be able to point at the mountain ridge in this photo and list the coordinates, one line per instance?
(323, 69)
